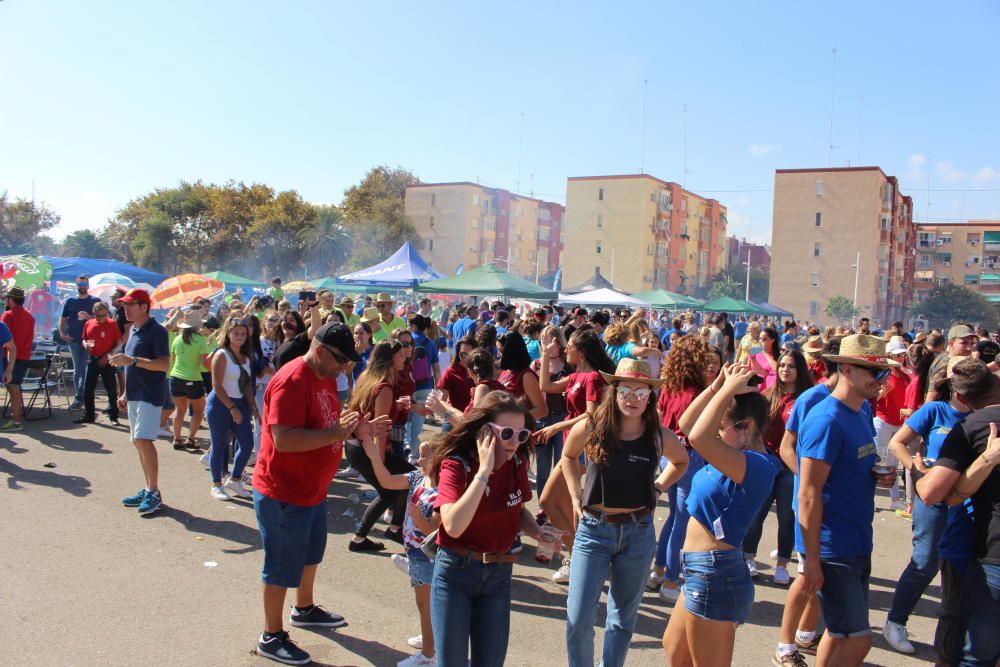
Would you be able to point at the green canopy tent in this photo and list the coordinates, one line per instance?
(487, 281)
(665, 299)
(232, 281)
(725, 304)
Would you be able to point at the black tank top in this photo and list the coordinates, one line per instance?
(627, 478)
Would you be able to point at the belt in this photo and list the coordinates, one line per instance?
(623, 517)
(481, 557)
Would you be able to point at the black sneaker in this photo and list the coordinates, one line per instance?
(281, 648)
(114, 421)
(85, 420)
(315, 617)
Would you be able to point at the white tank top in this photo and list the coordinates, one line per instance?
(231, 378)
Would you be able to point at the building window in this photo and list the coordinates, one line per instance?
(926, 261)
(600, 194)
(475, 200)
(814, 280)
(661, 249)
(430, 245)
(486, 206)
(598, 247)
(813, 309)
(819, 188)
(543, 233)
(816, 249)
(684, 203)
(432, 222)
(819, 219)
(433, 198)
(600, 220)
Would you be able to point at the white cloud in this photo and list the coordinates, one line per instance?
(984, 175)
(948, 173)
(761, 149)
(743, 200)
(916, 165)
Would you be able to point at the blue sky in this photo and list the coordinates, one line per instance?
(105, 101)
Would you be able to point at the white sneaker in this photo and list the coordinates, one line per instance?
(417, 660)
(654, 580)
(204, 460)
(670, 595)
(402, 564)
(781, 577)
(218, 493)
(897, 637)
(561, 576)
(236, 487)
(752, 567)
(774, 554)
(416, 642)
(165, 432)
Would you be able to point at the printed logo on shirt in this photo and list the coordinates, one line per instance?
(514, 498)
(330, 415)
(942, 430)
(637, 458)
(866, 450)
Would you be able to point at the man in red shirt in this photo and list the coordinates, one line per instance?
(301, 446)
(22, 325)
(888, 418)
(101, 338)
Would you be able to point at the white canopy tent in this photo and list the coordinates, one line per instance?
(601, 297)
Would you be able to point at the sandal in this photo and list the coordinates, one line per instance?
(365, 545)
(178, 444)
(190, 443)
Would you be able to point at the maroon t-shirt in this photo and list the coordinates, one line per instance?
(672, 406)
(458, 383)
(775, 430)
(492, 384)
(498, 516)
(513, 381)
(583, 387)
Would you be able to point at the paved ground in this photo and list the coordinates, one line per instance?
(84, 581)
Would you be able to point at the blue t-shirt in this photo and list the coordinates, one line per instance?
(740, 330)
(462, 328)
(726, 508)
(149, 342)
(665, 336)
(363, 364)
(619, 352)
(5, 337)
(934, 421)
(71, 310)
(842, 437)
(809, 399)
(534, 347)
(959, 536)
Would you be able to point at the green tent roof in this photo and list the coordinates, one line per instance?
(233, 279)
(661, 298)
(487, 281)
(725, 304)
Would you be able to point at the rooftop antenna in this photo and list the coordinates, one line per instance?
(520, 150)
(685, 180)
(642, 160)
(531, 192)
(833, 97)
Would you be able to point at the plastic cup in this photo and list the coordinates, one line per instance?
(549, 544)
(404, 403)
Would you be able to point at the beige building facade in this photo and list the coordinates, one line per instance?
(642, 233)
(961, 254)
(841, 231)
(469, 225)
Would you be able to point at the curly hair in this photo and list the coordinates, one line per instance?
(616, 334)
(685, 364)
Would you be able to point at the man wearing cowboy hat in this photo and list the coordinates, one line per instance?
(836, 506)
(346, 308)
(22, 327)
(387, 321)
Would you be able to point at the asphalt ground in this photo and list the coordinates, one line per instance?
(85, 581)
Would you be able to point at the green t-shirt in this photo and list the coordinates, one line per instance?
(386, 330)
(276, 293)
(187, 358)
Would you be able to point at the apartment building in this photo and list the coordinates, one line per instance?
(469, 224)
(959, 253)
(741, 251)
(642, 233)
(841, 231)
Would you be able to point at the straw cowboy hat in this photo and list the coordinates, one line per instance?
(862, 350)
(632, 370)
(192, 320)
(814, 345)
(384, 297)
(370, 315)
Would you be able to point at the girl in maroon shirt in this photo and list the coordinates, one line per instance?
(517, 377)
(455, 384)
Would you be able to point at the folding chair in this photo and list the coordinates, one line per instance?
(35, 387)
(61, 374)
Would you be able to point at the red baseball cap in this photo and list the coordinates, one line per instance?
(136, 296)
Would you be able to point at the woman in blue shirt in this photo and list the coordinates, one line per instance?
(725, 424)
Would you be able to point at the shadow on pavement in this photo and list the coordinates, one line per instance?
(375, 652)
(227, 530)
(71, 484)
(11, 446)
(62, 443)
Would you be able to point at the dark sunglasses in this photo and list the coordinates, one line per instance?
(404, 344)
(507, 433)
(272, 320)
(338, 357)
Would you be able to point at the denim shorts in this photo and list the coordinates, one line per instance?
(143, 420)
(293, 535)
(717, 585)
(844, 595)
(421, 567)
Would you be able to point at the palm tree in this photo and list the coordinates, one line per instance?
(326, 242)
(85, 243)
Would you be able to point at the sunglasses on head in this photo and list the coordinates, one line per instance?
(273, 320)
(507, 433)
(625, 394)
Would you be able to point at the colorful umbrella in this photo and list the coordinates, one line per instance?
(181, 290)
(25, 271)
(116, 279)
(298, 286)
(105, 290)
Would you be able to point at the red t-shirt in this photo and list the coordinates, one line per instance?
(105, 336)
(405, 386)
(513, 381)
(914, 398)
(672, 406)
(491, 383)
(393, 407)
(22, 325)
(889, 406)
(583, 387)
(818, 370)
(297, 398)
(775, 430)
(458, 383)
(498, 516)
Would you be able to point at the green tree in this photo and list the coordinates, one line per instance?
(153, 246)
(733, 284)
(841, 308)
(85, 243)
(947, 304)
(724, 285)
(326, 243)
(22, 226)
(373, 213)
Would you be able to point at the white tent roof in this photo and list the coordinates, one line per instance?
(600, 297)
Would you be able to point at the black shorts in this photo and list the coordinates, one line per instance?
(18, 371)
(187, 388)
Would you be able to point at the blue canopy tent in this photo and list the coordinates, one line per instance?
(66, 269)
(404, 269)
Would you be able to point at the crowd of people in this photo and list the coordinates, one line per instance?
(444, 411)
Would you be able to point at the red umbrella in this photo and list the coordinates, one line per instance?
(181, 290)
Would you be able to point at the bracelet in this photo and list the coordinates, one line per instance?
(484, 480)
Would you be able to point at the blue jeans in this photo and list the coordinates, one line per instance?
(547, 453)
(415, 423)
(625, 549)
(844, 595)
(981, 600)
(470, 603)
(668, 549)
(717, 585)
(781, 494)
(221, 427)
(928, 525)
(80, 360)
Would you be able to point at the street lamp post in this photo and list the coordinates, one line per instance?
(748, 276)
(857, 270)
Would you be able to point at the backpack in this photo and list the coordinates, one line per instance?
(420, 363)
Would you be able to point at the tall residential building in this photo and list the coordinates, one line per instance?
(470, 225)
(642, 233)
(959, 253)
(741, 251)
(825, 221)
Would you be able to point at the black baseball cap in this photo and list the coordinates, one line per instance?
(339, 337)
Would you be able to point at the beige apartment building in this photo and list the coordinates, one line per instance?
(642, 233)
(841, 231)
(959, 253)
(468, 224)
